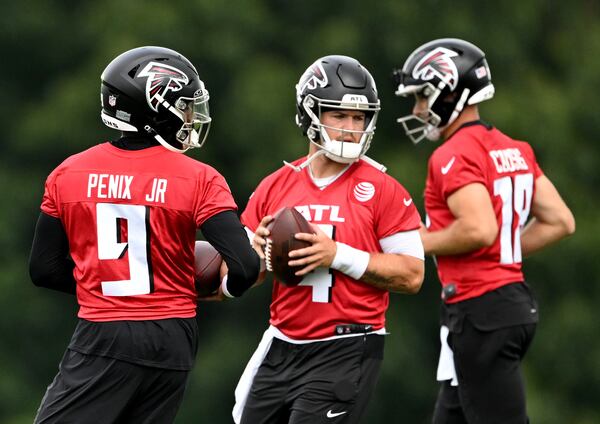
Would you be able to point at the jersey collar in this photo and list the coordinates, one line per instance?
(337, 179)
(471, 124)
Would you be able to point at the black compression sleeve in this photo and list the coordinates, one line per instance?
(225, 232)
(49, 263)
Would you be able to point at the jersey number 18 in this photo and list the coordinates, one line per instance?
(516, 199)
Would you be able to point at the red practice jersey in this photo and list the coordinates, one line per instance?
(361, 207)
(508, 169)
(131, 219)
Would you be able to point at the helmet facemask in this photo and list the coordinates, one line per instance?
(195, 115)
(449, 74)
(443, 107)
(340, 151)
(417, 127)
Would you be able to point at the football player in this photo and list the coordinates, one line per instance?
(117, 227)
(319, 360)
(488, 205)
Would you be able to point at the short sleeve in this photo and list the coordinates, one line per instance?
(396, 211)
(214, 197)
(456, 171)
(255, 208)
(49, 200)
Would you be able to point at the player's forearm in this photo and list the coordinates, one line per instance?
(224, 231)
(537, 235)
(395, 272)
(62, 281)
(262, 273)
(459, 237)
(49, 263)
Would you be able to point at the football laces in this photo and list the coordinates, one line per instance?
(268, 262)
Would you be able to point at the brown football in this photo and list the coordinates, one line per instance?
(286, 222)
(207, 264)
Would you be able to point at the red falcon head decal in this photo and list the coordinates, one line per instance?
(312, 78)
(438, 63)
(161, 79)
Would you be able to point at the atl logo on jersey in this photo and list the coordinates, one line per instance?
(321, 213)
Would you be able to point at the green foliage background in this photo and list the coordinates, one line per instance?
(545, 61)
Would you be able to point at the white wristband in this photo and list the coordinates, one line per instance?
(224, 288)
(352, 262)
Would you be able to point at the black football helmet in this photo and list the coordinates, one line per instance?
(336, 82)
(435, 71)
(156, 91)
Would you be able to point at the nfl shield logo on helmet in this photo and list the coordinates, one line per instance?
(112, 100)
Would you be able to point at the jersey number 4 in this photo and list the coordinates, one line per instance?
(321, 279)
(516, 199)
(109, 217)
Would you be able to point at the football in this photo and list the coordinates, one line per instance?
(207, 264)
(285, 224)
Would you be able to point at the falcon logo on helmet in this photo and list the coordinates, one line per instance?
(314, 77)
(161, 79)
(438, 63)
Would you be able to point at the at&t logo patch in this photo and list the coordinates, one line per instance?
(364, 191)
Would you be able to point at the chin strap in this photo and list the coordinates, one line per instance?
(306, 162)
(374, 163)
(151, 131)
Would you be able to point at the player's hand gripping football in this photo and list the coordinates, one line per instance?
(319, 254)
(259, 241)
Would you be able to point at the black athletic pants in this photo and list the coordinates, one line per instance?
(490, 385)
(321, 382)
(94, 389)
